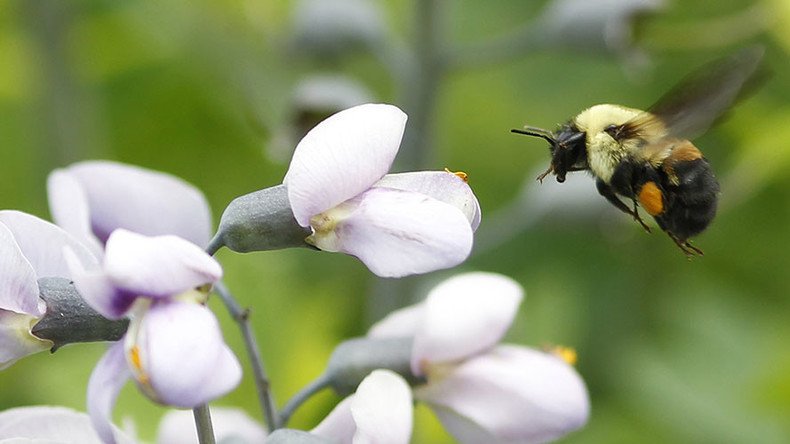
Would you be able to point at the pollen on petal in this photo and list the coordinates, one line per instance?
(567, 354)
(462, 175)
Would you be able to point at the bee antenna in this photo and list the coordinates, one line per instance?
(536, 132)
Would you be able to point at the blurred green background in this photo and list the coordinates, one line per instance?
(214, 92)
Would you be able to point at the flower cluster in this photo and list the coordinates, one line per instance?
(136, 247)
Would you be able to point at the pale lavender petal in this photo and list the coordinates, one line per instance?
(42, 244)
(97, 290)
(441, 185)
(338, 426)
(43, 424)
(156, 267)
(398, 233)
(382, 409)
(18, 286)
(400, 323)
(465, 315)
(68, 205)
(141, 200)
(107, 379)
(184, 356)
(514, 394)
(16, 341)
(229, 424)
(341, 157)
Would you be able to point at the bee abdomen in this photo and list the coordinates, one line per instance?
(691, 198)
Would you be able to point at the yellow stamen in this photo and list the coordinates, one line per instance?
(462, 175)
(134, 358)
(567, 354)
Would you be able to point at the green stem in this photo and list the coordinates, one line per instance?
(205, 430)
(303, 395)
(262, 384)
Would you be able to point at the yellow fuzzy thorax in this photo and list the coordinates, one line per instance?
(603, 151)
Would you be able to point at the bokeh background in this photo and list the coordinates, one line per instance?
(218, 93)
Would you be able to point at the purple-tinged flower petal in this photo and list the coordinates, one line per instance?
(341, 157)
(382, 409)
(404, 322)
(69, 207)
(465, 315)
(42, 244)
(511, 394)
(338, 426)
(16, 341)
(178, 355)
(229, 424)
(97, 290)
(50, 424)
(441, 185)
(18, 286)
(396, 233)
(106, 381)
(156, 267)
(125, 196)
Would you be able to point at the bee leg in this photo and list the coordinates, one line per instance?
(607, 192)
(635, 214)
(545, 173)
(685, 246)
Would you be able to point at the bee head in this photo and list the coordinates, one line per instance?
(567, 146)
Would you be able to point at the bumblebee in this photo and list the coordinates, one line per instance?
(647, 156)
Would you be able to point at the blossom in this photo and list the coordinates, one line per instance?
(229, 425)
(482, 391)
(379, 412)
(396, 225)
(30, 248)
(173, 348)
(92, 199)
(50, 424)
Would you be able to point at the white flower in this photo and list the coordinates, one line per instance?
(397, 225)
(481, 391)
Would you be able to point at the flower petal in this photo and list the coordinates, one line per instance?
(341, 157)
(42, 244)
(229, 424)
(160, 266)
(338, 426)
(68, 205)
(16, 341)
(514, 393)
(137, 199)
(382, 409)
(183, 354)
(41, 424)
(106, 381)
(18, 286)
(398, 233)
(96, 289)
(400, 323)
(441, 185)
(465, 315)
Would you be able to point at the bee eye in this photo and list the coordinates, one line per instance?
(613, 130)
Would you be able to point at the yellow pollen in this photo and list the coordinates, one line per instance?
(462, 175)
(134, 356)
(567, 354)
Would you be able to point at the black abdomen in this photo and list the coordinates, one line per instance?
(691, 204)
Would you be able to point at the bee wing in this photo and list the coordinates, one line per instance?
(691, 107)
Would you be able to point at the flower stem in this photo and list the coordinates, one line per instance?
(242, 318)
(205, 430)
(298, 399)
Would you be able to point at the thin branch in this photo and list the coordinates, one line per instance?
(205, 430)
(262, 385)
(298, 399)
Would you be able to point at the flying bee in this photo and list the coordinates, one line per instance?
(647, 157)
